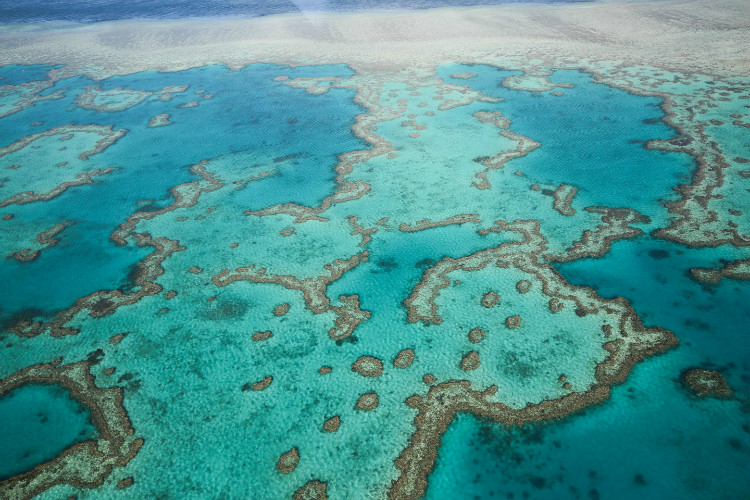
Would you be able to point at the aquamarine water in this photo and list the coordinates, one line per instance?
(251, 172)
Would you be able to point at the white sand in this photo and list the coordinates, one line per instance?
(701, 36)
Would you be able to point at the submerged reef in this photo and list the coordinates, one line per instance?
(314, 271)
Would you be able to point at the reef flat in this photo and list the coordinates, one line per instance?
(452, 253)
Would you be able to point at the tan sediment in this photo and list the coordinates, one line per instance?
(281, 309)
(288, 461)
(404, 358)
(260, 336)
(563, 197)
(185, 195)
(737, 269)
(512, 322)
(489, 299)
(476, 335)
(313, 289)
(368, 366)
(348, 316)
(470, 361)
(524, 145)
(706, 383)
(427, 224)
(86, 464)
(312, 490)
(523, 286)
(616, 225)
(367, 401)
(332, 424)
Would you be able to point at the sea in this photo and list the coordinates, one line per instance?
(204, 270)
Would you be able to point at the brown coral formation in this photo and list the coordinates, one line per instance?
(563, 197)
(262, 384)
(489, 299)
(523, 286)
(348, 316)
(86, 464)
(332, 424)
(367, 401)
(404, 358)
(477, 335)
(513, 321)
(738, 270)
(288, 461)
(160, 120)
(470, 361)
(706, 383)
(260, 336)
(629, 342)
(615, 226)
(555, 305)
(281, 309)
(368, 366)
(324, 370)
(125, 483)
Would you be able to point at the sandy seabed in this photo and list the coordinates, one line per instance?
(699, 36)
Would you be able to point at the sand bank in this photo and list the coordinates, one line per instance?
(698, 36)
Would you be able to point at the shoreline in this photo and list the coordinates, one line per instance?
(691, 36)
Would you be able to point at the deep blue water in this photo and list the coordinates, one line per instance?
(34, 11)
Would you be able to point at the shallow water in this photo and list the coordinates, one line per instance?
(39, 422)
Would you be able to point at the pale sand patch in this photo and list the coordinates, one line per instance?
(698, 36)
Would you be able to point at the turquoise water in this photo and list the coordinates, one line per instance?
(39, 422)
(189, 359)
(86, 260)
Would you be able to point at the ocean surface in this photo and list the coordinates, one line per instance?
(35, 11)
(208, 272)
